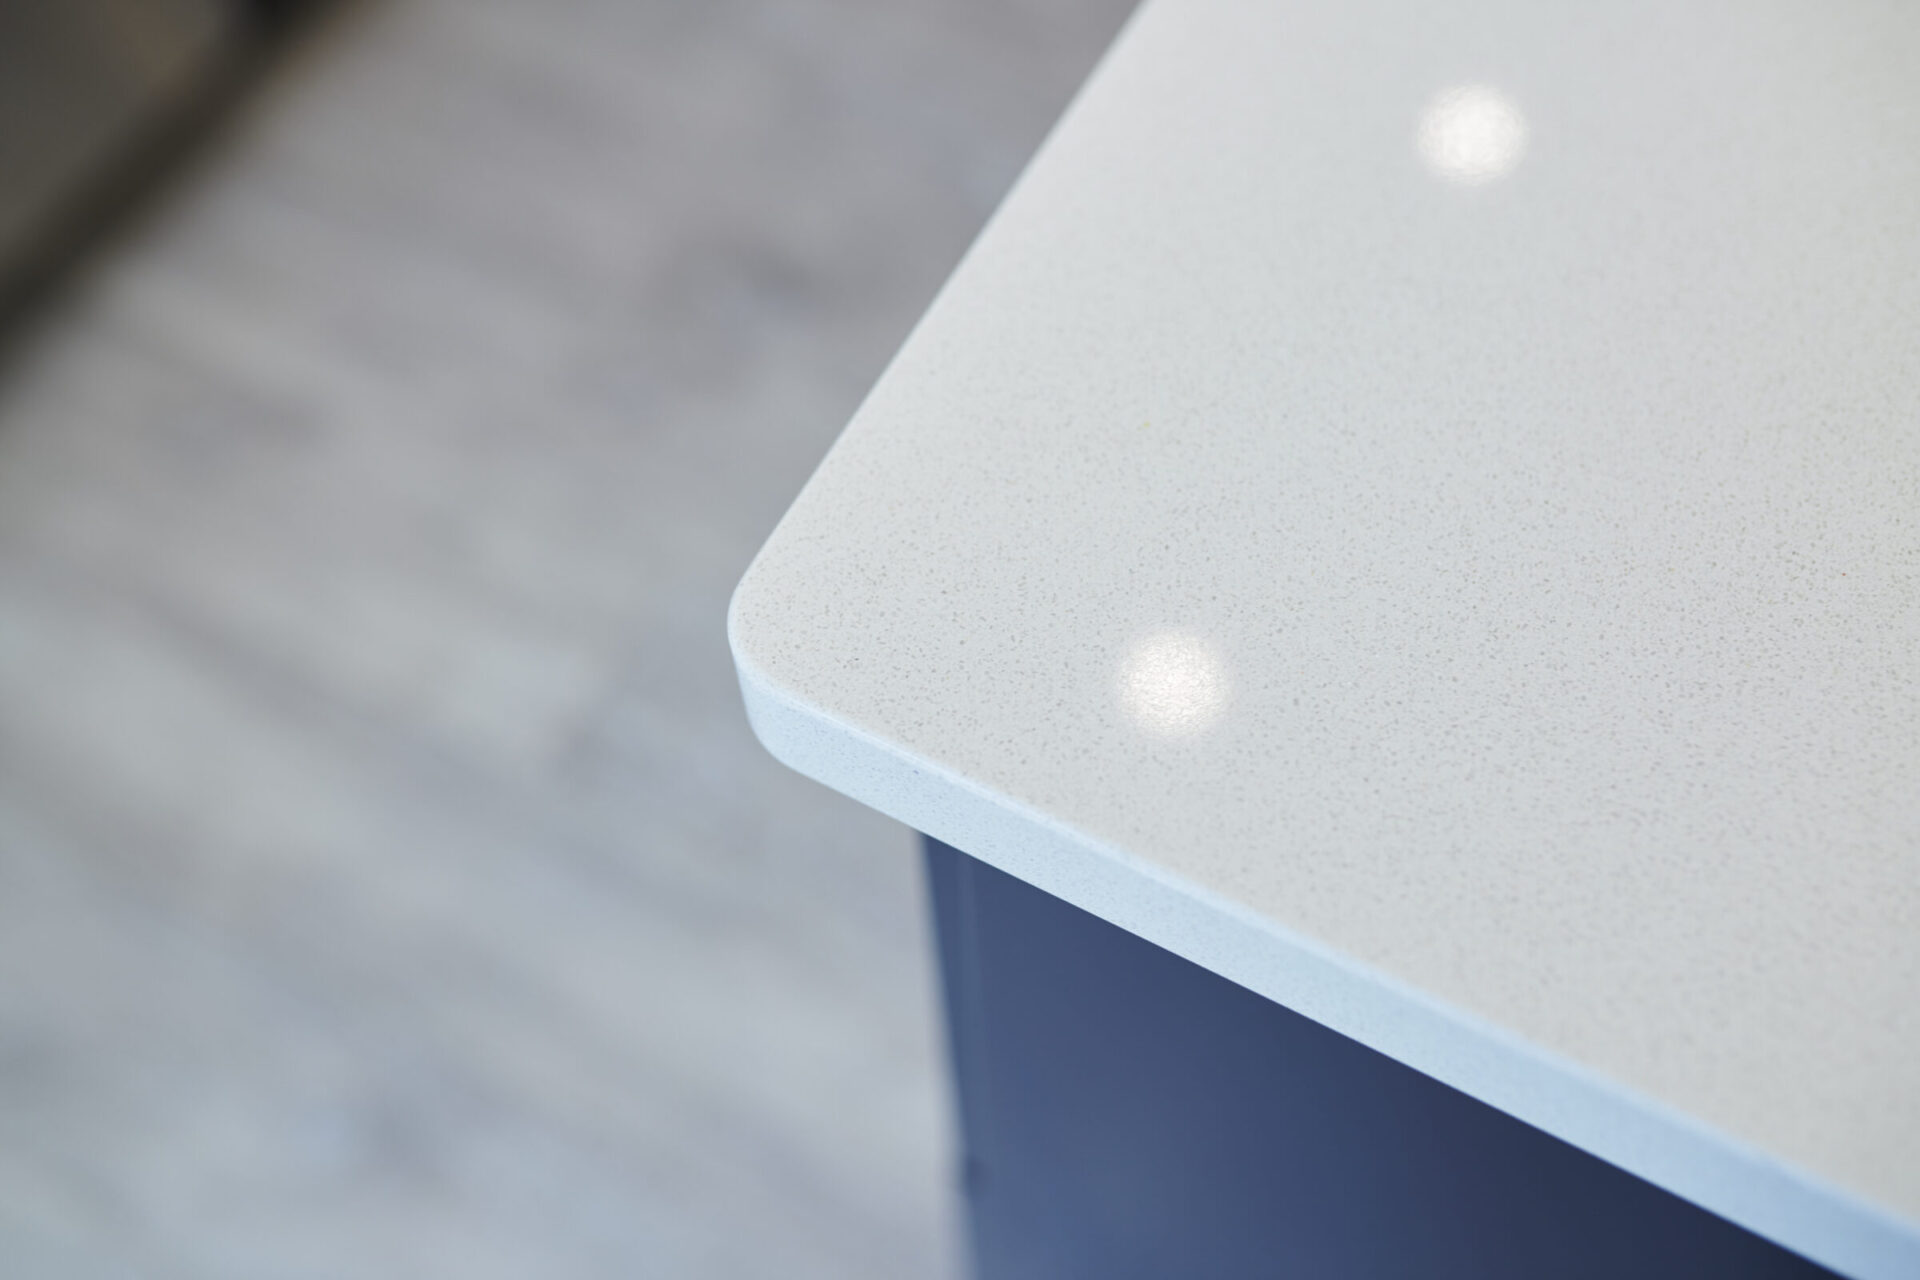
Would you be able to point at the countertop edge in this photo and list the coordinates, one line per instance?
(1789, 1206)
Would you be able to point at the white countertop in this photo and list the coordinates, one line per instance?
(1417, 509)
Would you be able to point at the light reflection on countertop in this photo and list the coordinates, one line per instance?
(1471, 134)
(1173, 684)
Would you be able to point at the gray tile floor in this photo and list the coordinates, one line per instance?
(389, 886)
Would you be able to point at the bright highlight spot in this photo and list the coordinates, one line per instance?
(1472, 134)
(1173, 685)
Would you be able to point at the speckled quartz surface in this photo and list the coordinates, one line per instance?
(1418, 510)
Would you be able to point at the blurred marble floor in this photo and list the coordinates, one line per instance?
(389, 885)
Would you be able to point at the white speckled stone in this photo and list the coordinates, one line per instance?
(1418, 510)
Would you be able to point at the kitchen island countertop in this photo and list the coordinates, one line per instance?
(1419, 512)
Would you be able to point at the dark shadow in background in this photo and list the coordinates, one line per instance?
(100, 101)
